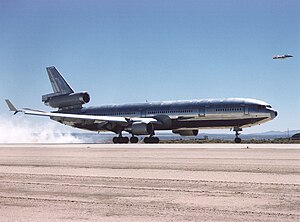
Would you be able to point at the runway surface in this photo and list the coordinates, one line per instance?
(206, 182)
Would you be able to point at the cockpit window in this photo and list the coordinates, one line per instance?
(268, 106)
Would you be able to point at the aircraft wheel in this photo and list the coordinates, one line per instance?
(120, 140)
(134, 139)
(237, 140)
(156, 139)
(146, 140)
(151, 140)
(125, 140)
(116, 140)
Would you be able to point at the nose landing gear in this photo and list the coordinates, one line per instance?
(237, 138)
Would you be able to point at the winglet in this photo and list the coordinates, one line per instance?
(11, 107)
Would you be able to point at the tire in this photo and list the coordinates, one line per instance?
(156, 140)
(146, 140)
(237, 140)
(134, 139)
(151, 140)
(125, 140)
(116, 140)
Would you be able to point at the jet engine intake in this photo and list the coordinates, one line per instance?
(70, 100)
(138, 128)
(186, 132)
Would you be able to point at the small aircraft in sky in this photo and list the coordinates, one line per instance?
(282, 56)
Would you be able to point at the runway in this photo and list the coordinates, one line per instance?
(161, 182)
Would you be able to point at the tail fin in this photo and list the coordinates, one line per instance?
(59, 84)
(63, 96)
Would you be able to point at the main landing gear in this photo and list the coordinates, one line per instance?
(151, 139)
(237, 138)
(121, 139)
(134, 139)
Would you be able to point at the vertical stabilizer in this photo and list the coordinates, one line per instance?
(63, 96)
(59, 84)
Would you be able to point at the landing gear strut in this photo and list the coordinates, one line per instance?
(151, 138)
(237, 139)
(134, 139)
(121, 139)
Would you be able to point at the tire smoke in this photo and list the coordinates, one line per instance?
(20, 130)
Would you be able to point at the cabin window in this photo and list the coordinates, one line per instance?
(260, 107)
(228, 109)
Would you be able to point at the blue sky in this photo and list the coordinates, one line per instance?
(133, 51)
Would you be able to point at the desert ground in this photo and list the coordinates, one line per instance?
(206, 182)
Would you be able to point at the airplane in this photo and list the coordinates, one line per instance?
(182, 117)
(282, 56)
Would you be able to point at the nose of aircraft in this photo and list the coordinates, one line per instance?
(274, 114)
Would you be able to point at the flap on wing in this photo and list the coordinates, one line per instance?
(77, 116)
(143, 120)
(117, 119)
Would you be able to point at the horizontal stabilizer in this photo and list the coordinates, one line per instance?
(11, 106)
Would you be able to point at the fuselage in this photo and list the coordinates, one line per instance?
(182, 117)
(186, 115)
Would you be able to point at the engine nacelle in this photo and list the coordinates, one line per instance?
(137, 128)
(70, 100)
(186, 132)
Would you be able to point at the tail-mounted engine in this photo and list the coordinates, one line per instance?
(67, 101)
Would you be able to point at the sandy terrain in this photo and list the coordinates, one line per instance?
(149, 182)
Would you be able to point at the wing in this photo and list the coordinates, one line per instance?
(94, 118)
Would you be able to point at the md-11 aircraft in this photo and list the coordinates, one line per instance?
(182, 117)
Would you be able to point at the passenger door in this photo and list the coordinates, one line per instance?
(201, 112)
(246, 110)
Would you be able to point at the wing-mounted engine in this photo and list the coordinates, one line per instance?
(67, 101)
(186, 132)
(138, 128)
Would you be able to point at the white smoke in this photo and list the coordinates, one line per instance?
(15, 129)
